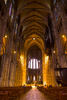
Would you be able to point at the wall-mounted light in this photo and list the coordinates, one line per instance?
(5, 36)
(66, 52)
(64, 37)
(5, 39)
(54, 51)
(14, 52)
(33, 38)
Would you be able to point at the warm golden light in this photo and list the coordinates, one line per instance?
(5, 36)
(14, 52)
(54, 52)
(33, 38)
(65, 52)
(44, 83)
(46, 59)
(22, 59)
(64, 37)
(34, 87)
(4, 41)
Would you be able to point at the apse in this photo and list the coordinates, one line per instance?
(34, 65)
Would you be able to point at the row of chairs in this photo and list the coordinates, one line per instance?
(55, 93)
(12, 93)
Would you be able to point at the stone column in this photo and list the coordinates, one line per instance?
(5, 73)
(53, 64)
(48, 73)
(60, 55)
(3, 22)
(63, 16)
(24, 68)
(43, 68)
(12, 73)
(6, 60)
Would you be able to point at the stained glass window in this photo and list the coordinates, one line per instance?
(34, 64)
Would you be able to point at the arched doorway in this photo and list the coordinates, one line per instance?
(34, 65)
(31, 41)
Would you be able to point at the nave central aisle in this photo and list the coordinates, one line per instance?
(33, 94)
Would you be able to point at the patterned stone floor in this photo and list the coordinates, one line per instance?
(34, 94)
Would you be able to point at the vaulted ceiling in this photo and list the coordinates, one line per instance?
(33, 16)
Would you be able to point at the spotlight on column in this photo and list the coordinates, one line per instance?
(22, 59)
(46, 59)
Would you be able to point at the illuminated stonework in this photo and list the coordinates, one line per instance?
(27, 23)
(47, 78)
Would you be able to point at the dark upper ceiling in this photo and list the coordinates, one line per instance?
(33, 16)
(34, 52)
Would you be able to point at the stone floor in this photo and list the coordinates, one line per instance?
(33, 94)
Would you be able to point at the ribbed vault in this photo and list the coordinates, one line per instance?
(33, 16)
